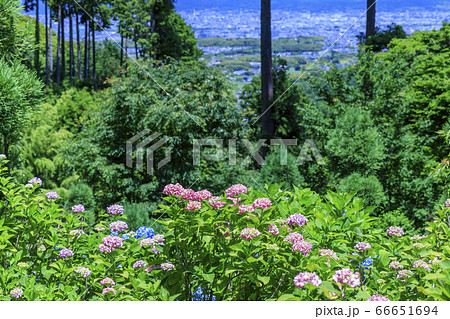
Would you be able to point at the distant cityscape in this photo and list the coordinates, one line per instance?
(332, 25)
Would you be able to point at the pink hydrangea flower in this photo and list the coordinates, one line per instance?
(215, 202)
(167, 266)
(78, 209)
(395, 231)
(447, 203)
(250, 233)
(64, 253)
(174, 190)
(296, 219)
(307, 277)
(152, 267)
(328, 252)
(292, 238)
(52, 195)
(346, 276)
(404, 274)
(273, 229)
(236, 190)
(85, 272)
(303, 246)
(118, 226)
(193, 205)
(246, 208)
(108, 281)
(139, 264)
(147, 242)
(35, 180)
(395, 265)
(159, 239)
(104, 248)
(202, 195)
(109, 289)
(378, 298)
(188, 194)
(115, 210)
(112, 242)
(421, 264)
(16, 293)
(361, 246)
(262, 203)
(418, 237)
(235, 200)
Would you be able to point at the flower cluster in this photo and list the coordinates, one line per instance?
(109, 289)
(118, 226)
(418, 237)
(306, 277)
(16, 293)
(246, 208)
(52, 195)
(447, 203)
(273, 229)
(395, 265)
(76, 233)
(139, 264)
(404, 274)
(64, 253)
(418, 245)
(36, 180)
(41, 248)
(110, 243)
(346, 276)
(296, 219)
(292, 238)
(2, 156)
(78, 208)
(108, 281)
(262, 203)
(22, 265)
(303, 246)
(361, 246)
(421, 264)
(215, 202)
(152, 267)
(187, 194)
(202, 195)
(234, 200)
(115, 210)
(174, 190)
(167, 266)
(328, 252)
(193, 205)
(395, 231)
(272, 247)
(100, 228)
(145, 232)
(236, 190)
(249, 233)
(378, 298)
(85, 272)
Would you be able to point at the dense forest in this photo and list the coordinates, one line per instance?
(68, 107)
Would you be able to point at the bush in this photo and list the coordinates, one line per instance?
(368, 188)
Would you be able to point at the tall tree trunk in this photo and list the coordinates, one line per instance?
(89, 51)
(267, 123)
(86, 39)
(121, 51)
(58, 48)
(93, 56)
(63, 49)
(71, 54)
(37, 35)
(51, 43)
(136, 48)
(370, 22)
(126, 55)
(80, 77)
(47, 81)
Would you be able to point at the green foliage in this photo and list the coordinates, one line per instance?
(137, 215)
(399, 218)
(82, 194)
(381, 39)
(369, 188)
(355, 145)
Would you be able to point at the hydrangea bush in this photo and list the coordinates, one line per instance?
(242, 244)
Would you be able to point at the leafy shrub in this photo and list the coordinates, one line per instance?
(137, 215)
(396, 217)
(368, 188)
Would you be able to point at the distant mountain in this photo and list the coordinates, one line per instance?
(312, 5)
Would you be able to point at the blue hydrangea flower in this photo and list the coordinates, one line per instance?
(198, 296)
(125, 237)
(368, 262)
(145, 232)
(114, 233)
